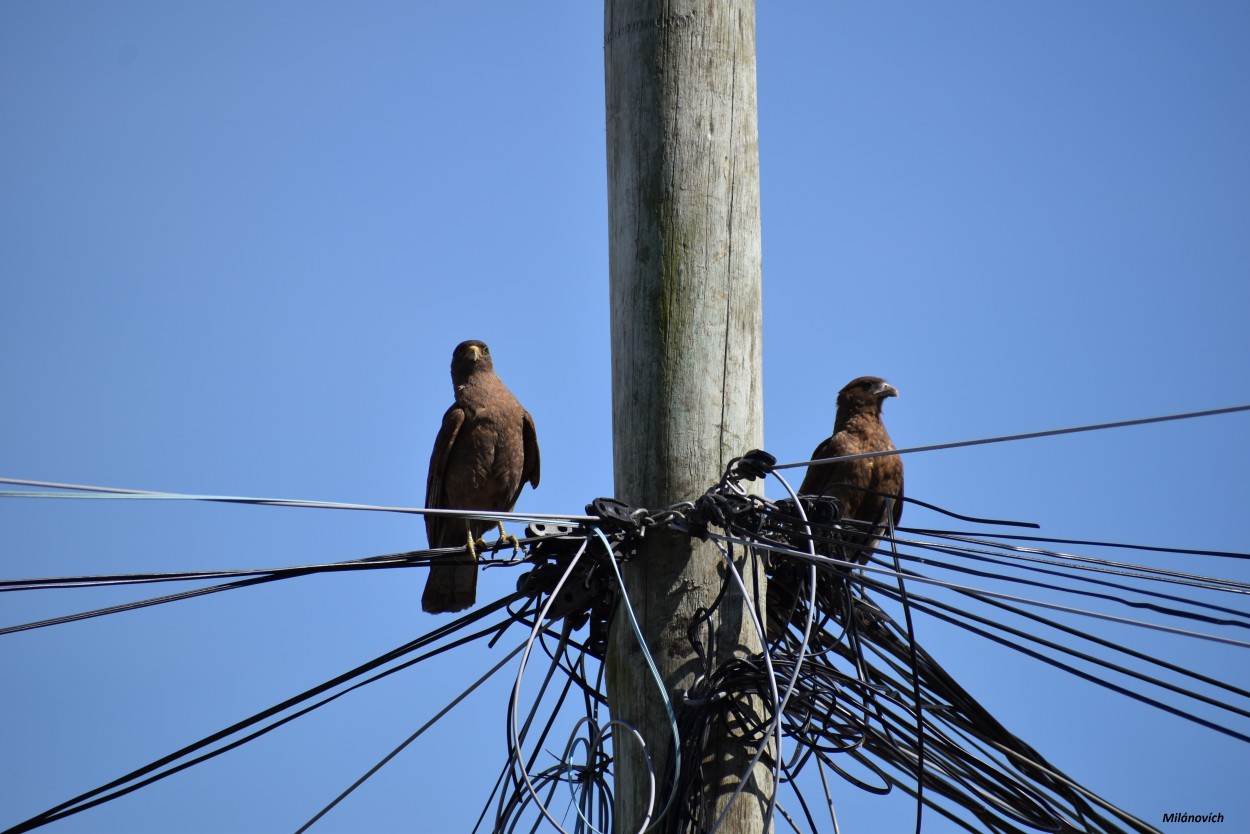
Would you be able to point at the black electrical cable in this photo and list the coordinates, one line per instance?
(417, 558)
(842, 686)
(1079, 566)
(927, 604)
(1147, 606)
(1175, 551)
(1211, 725)
(165, 766)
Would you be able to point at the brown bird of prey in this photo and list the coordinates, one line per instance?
(870, 490)
(485, 452)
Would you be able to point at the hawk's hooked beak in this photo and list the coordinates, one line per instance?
(885, 389)
(475, 353)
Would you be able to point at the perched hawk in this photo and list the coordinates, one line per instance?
(869, 489)
(485, 452)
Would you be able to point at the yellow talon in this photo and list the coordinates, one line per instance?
(513, 541)
(473, 544)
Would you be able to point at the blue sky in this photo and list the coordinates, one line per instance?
(238, 243)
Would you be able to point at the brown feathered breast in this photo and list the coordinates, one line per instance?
(869, 492)
(484, 454)
(868, 489)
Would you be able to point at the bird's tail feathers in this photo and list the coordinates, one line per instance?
(452, 587)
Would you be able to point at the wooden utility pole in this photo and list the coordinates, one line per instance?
(683, 212)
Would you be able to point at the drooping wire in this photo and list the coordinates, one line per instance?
(624, 601)
(776, 702)
(516, 689)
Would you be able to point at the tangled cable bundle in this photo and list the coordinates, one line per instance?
(846, 686)
(843, 692)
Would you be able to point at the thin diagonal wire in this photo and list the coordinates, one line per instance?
(1025, 436)
(178, 760)
(448, 708)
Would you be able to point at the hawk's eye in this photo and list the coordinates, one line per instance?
(866, 385)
